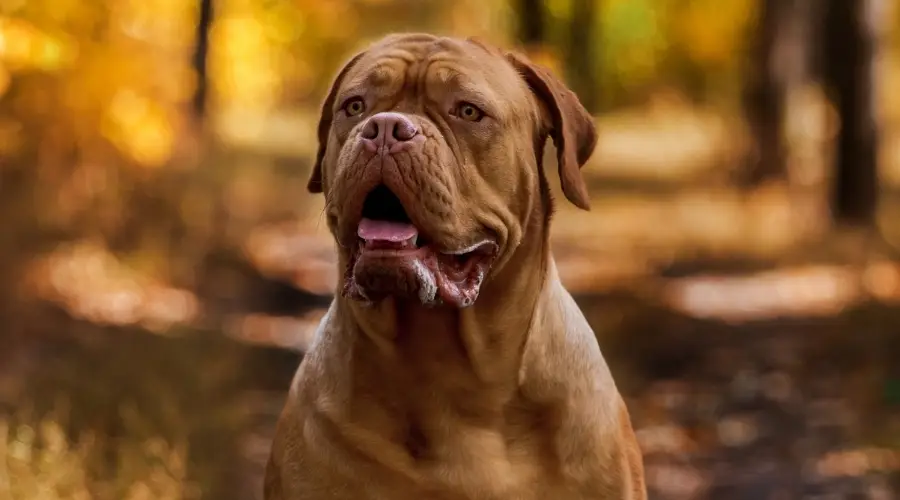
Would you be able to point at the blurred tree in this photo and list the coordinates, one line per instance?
(764, 96)
(779, 62)
(850, 45)
(204, 22)
(632, 44)
(532, 25)
(582, 54)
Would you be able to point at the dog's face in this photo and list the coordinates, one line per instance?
(429, 158)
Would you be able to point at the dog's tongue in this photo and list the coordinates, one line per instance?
(386, 231)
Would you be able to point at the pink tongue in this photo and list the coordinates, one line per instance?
(382, 230)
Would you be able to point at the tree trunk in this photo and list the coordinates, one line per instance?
(204, 21)
(582, 58)
(532, 23)
(764, 96)
(850, 49)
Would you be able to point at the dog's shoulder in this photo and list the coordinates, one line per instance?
(562, 348)
(564, 370)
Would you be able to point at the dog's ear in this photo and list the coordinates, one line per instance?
(567, 122)
(314, 185)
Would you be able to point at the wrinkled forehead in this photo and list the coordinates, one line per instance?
(437, 65)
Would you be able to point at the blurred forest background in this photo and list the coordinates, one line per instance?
(163, 265)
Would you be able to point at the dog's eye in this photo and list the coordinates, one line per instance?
(354, 106)
(469, 112)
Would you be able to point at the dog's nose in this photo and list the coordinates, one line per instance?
(387, 129)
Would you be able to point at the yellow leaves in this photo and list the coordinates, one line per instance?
(545, 56)
(711, 31)
(333, 20)
(243, 66)
(178, 86)
(167, 24)
(560, 9)
(38, 461)
(16, 41)
(475, 18)
(126, 81)
(633, 42)
(139, 127)
(50, 55)
(257, 48)
(164, 470)
(284, 24)
(244, 36)
(23, 46)
(137, 46)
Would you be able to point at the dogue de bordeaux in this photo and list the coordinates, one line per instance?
(452, 365)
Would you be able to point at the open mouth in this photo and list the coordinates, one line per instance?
(385, 225)
(394, 258)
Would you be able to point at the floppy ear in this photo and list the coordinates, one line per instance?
(314, 185)
(567, 122)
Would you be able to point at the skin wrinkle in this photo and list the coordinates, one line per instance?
(438, 190)
(467, 90)
(412, 81)
(432, 155)
(419, 83)
(359, 172)
(378, 76)
(405, 179)
(442, 125)
(509, 399)
(359, 152)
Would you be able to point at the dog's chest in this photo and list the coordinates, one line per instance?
(483, 464)
(471, 464)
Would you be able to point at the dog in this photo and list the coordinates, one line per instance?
(453, 364)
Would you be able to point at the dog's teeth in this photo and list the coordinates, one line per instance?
(414, 240)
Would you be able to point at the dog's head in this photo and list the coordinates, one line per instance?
(429, 157)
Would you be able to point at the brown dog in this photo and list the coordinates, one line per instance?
(453, 365)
